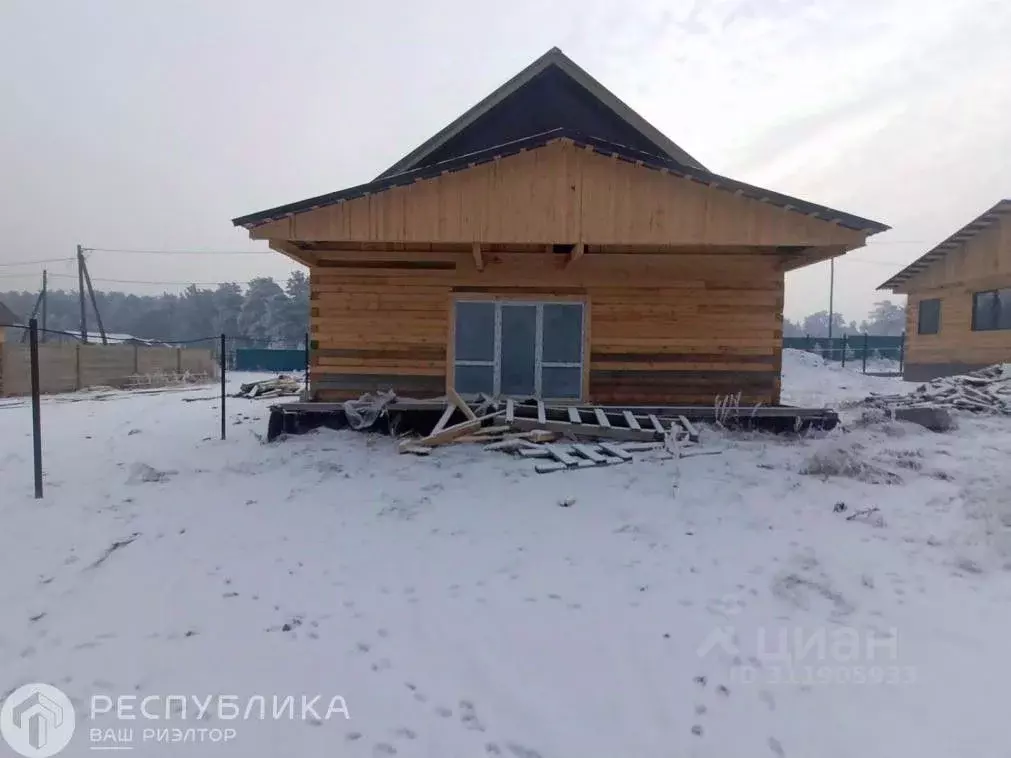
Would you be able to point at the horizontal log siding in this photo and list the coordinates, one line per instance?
(664, 328)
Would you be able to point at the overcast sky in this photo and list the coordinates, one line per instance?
(149, 125)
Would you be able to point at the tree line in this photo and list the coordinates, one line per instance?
(885, 319)
(264, 312)
(271, 314)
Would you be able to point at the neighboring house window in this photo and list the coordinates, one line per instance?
(991, 310)
(929, 316)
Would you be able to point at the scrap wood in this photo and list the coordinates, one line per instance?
(444, 419)
(452, 432)
(616, 451)
(562, 455)
(987, 390)
(587, 430)
(458, 401)
(279, 385)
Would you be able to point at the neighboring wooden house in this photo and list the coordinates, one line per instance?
(551, 243)
(7, 320)
(958, 313)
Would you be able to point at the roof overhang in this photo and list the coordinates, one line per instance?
(620, 152)
(937, 253)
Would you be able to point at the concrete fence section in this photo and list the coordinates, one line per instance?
(69, 367)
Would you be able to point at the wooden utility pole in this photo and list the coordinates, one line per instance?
(94, 304)
(80, 293)
(45, 302)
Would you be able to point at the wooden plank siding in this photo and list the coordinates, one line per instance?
(981, 263)
(661, 328)
(561, 194)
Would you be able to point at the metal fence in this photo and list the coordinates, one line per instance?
(872, 354)
(34, 369)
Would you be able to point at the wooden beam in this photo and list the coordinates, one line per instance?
(291, 251)
(458, 401)
(449, 433)
(478, 257)
(577, 252)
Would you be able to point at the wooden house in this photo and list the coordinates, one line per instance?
(958, 314)
(550, 242)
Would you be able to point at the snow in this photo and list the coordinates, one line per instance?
(463, 605)
(811, 381)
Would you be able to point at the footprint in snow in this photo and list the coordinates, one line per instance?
(776, 747)
(468, 716)
(382, 749)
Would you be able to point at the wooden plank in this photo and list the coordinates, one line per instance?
(490, 431)
(547, 468)
(510, 411)
(458, 401)
(693, 432)
(616, 451)
(590, 453)
(639, 447)
(416, 449)
(602, 419)
(631, 420)
(656, 423)
(444, 419)
(452, 432)
(587, 430)
(574, 416)
(540, 411)
(541, 451)
(507, 445)
(562, 454)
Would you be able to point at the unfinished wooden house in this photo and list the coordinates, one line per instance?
(551, 243)
(958, 314)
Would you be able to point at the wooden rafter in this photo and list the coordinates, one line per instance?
(478, 257)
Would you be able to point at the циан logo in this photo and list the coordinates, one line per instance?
(37, 720)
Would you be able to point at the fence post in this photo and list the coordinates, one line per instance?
(865, 353)
(844, 351)
(136, 359)
(307, 365)
(33, 348)
(179, 360)
(808, 338)
(222, 357)
(902, 353)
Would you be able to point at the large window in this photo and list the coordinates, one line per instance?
(991, 310)
(523, 349)
(929, 316)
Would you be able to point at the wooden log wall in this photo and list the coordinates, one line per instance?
(663, 328)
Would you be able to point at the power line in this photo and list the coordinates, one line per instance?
(32, 263)
(137, 281)
(177, 252)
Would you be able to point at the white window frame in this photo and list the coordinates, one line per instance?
(539, 363)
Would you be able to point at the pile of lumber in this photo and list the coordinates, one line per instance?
(987, 390)
(276, 387)
(589, 438)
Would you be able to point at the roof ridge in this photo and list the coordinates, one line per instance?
(554, 56)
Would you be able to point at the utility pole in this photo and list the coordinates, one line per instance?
(94, 304)
(45, 302)
(80, 293)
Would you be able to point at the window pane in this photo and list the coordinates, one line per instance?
(1004, 309)
(474, 379)
(563, 333)
(557, 382)
(929, 316)
(519, 334)
(475, 331)
(984, 311)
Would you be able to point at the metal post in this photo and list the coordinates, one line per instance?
(33, 347)
(844, 351)
(307, 365)
(831, 299)
(222, 386)
(865, 352)
(902, 353)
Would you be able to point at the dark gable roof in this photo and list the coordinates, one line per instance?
(967, 232)
(551, 93)
(603, 147)
(7, 316)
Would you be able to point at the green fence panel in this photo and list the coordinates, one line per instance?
(261, 359)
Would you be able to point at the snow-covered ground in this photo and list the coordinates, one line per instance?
(462, 605)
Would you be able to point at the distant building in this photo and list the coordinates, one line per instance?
(8, 319)
(958, 317)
